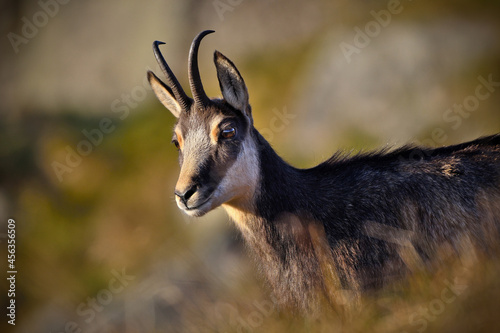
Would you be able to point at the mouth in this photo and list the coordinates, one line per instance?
(199, 210)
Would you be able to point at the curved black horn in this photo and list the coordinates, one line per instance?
(199, 96)
(180, 95)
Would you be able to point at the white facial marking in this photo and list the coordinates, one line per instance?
(196, 145)
(237, 188)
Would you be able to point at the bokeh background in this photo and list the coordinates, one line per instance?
(101, 246)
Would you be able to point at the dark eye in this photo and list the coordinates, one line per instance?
(228, 133)
(176, 144)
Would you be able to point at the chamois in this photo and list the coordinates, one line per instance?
(350, 223)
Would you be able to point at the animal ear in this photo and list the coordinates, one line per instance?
(164, 94)
(231, 84)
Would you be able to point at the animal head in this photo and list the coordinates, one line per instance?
(213, 136)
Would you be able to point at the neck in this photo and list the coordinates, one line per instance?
(278, 187)
(276, 221)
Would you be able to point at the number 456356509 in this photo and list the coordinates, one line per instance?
(11, 247)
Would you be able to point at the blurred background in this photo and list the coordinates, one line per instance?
(87, 169)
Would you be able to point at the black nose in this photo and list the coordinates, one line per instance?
(184, 196)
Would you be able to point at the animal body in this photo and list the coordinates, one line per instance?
(350, 223)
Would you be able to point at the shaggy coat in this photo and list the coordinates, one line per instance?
(381, 214)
